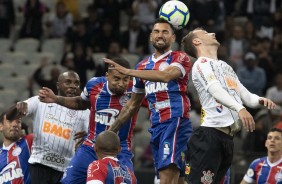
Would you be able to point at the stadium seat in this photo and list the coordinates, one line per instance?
(98, 57)
(6, 70)
(8, 96)
(133, 59)
(15, 58)
(28, 45)
(5, 45)
(55, 46)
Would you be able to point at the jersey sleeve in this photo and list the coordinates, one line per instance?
(29, 140)
(250, 176)
(32, 105)
(96, 172)
(202, 71)
(89, 86)
(182, 61)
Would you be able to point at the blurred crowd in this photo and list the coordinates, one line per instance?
(250, 30)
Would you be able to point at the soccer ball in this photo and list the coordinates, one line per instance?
(176, 13)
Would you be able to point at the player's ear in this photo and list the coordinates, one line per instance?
(151, 37)
(196, 41)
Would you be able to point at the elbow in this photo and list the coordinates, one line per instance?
(165, 78)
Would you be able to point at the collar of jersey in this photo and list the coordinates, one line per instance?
(275, 163)
(203, 57)
(161, 56)
(110, 157)
(7, 147)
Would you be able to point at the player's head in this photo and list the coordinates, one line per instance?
(118, 82)
(107, 144)
(11, 129)
(162, 35)
(196, 39)
(273, 141)
(68, 84)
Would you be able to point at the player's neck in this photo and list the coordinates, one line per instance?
(158, 53)
(7, 142)
(208, 51)
(274, 156)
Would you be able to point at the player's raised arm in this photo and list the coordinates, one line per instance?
(47, 95)
(166, 75)
(131, 107)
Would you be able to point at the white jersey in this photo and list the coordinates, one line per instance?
(205, 72)
(54, 127)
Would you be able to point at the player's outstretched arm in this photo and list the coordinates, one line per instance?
(166, 75)
(16, 111)
(46, 95)
(131, 107)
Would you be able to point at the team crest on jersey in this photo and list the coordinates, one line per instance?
(203, 60)
(163, 66)
(123, 100)
(187, 169)
(72, 113)
(17, 151)
(278, 177)
(207, 178)
(250, 173)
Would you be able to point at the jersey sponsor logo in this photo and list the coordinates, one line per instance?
(10, 172)
(207, 178)
(118, 172)
(203, 115)
(17, 151)
(187, 168)
(72, 113)
(53, 159)
(166, 150)
(163, 66)
(57, 130)
(123, 100)
(181, 57)
(278, 177)
(231, 83)
(106, 116)
(201, 74)
(161, 105)
(156, 87)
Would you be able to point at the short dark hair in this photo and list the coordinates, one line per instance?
(2, 117)
(162, 20)
(275, 130)
(121, 61)
(187, 43)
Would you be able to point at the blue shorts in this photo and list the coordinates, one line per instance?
(169, 143)
(76, 172)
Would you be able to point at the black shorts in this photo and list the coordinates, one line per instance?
(44, 175)
(209, 156)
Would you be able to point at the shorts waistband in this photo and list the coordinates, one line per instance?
(221, 131)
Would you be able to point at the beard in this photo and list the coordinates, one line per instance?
(161, 48)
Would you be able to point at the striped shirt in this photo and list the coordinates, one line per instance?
(166, 100)
(263, 171)
(14, 167)
(54, 127)
(105, 107)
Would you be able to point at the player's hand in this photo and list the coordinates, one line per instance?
(79, 136)
(247, 120)
(267, 103)
(46, 95)
(22, 108)
(114, 65)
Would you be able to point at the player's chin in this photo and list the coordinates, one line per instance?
(119, 91)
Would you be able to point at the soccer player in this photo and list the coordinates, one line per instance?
(163, 77)
(267, 169)
(54, 127)
(108, 169)
(210, 148)
(105, 96)
(14, 154)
